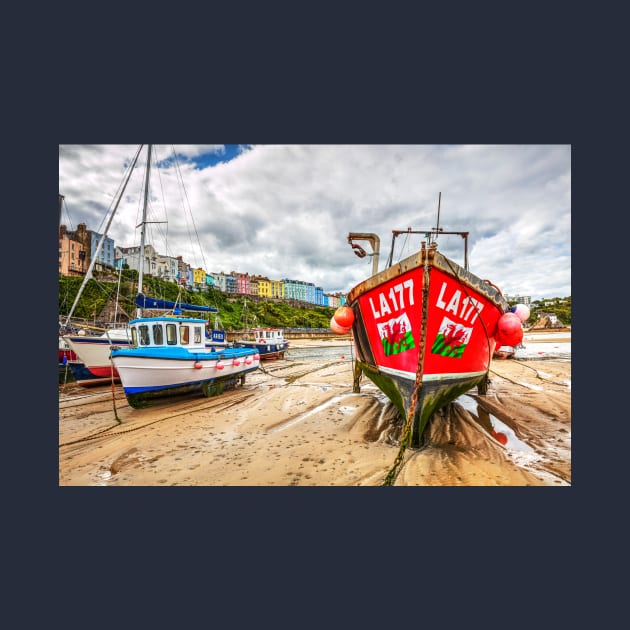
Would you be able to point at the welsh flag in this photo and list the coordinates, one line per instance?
(396, 335)
(452, 339)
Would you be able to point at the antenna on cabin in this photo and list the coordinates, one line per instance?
(437, 228)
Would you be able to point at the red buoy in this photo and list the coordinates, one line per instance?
(198, 365)
(337, 329)
(509, 330)
(344, 316)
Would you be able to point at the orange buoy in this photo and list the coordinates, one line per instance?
(344, 316)
(337, 329)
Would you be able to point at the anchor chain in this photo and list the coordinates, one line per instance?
(406, 438)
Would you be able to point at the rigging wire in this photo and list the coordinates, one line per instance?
(183, 188)
(64, 204)
(162, 232)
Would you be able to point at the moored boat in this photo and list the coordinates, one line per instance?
(93, 350)
(168, 355)
(269, 343)
(425, 330)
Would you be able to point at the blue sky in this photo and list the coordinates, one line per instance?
(285, 211)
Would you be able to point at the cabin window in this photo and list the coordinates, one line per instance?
(184, 335)
(134, 337)
(143, 332)
(158, 335)
(171, 334)
(197, 334)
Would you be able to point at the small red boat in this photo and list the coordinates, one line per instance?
(425, 330)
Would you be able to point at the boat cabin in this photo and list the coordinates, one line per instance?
(268, 335)
(168, 331)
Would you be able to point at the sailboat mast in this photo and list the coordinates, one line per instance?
(143, 224)
(117, 294)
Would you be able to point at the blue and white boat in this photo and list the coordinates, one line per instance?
(268, 342)
(168, 355)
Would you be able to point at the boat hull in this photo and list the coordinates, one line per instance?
(84, 377)
(94, 352)
(152, 373)
(65, 353)
(424, 333)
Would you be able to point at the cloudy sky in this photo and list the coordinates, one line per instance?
(285, 211)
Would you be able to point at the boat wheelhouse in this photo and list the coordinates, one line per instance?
(268, 342)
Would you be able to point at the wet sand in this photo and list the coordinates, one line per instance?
(297, 422)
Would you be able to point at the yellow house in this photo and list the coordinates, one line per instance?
(264, 287)
(199, 277)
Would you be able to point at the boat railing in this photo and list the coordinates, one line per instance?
(429, 234)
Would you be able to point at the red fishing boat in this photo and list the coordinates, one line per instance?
(425, 329)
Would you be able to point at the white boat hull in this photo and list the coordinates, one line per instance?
(94, 353)
(148, 376)
(145, 374)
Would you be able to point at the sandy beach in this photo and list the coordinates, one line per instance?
(296, 422)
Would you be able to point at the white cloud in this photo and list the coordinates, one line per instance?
(286, 210)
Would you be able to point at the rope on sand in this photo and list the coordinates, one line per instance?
(542, 378)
